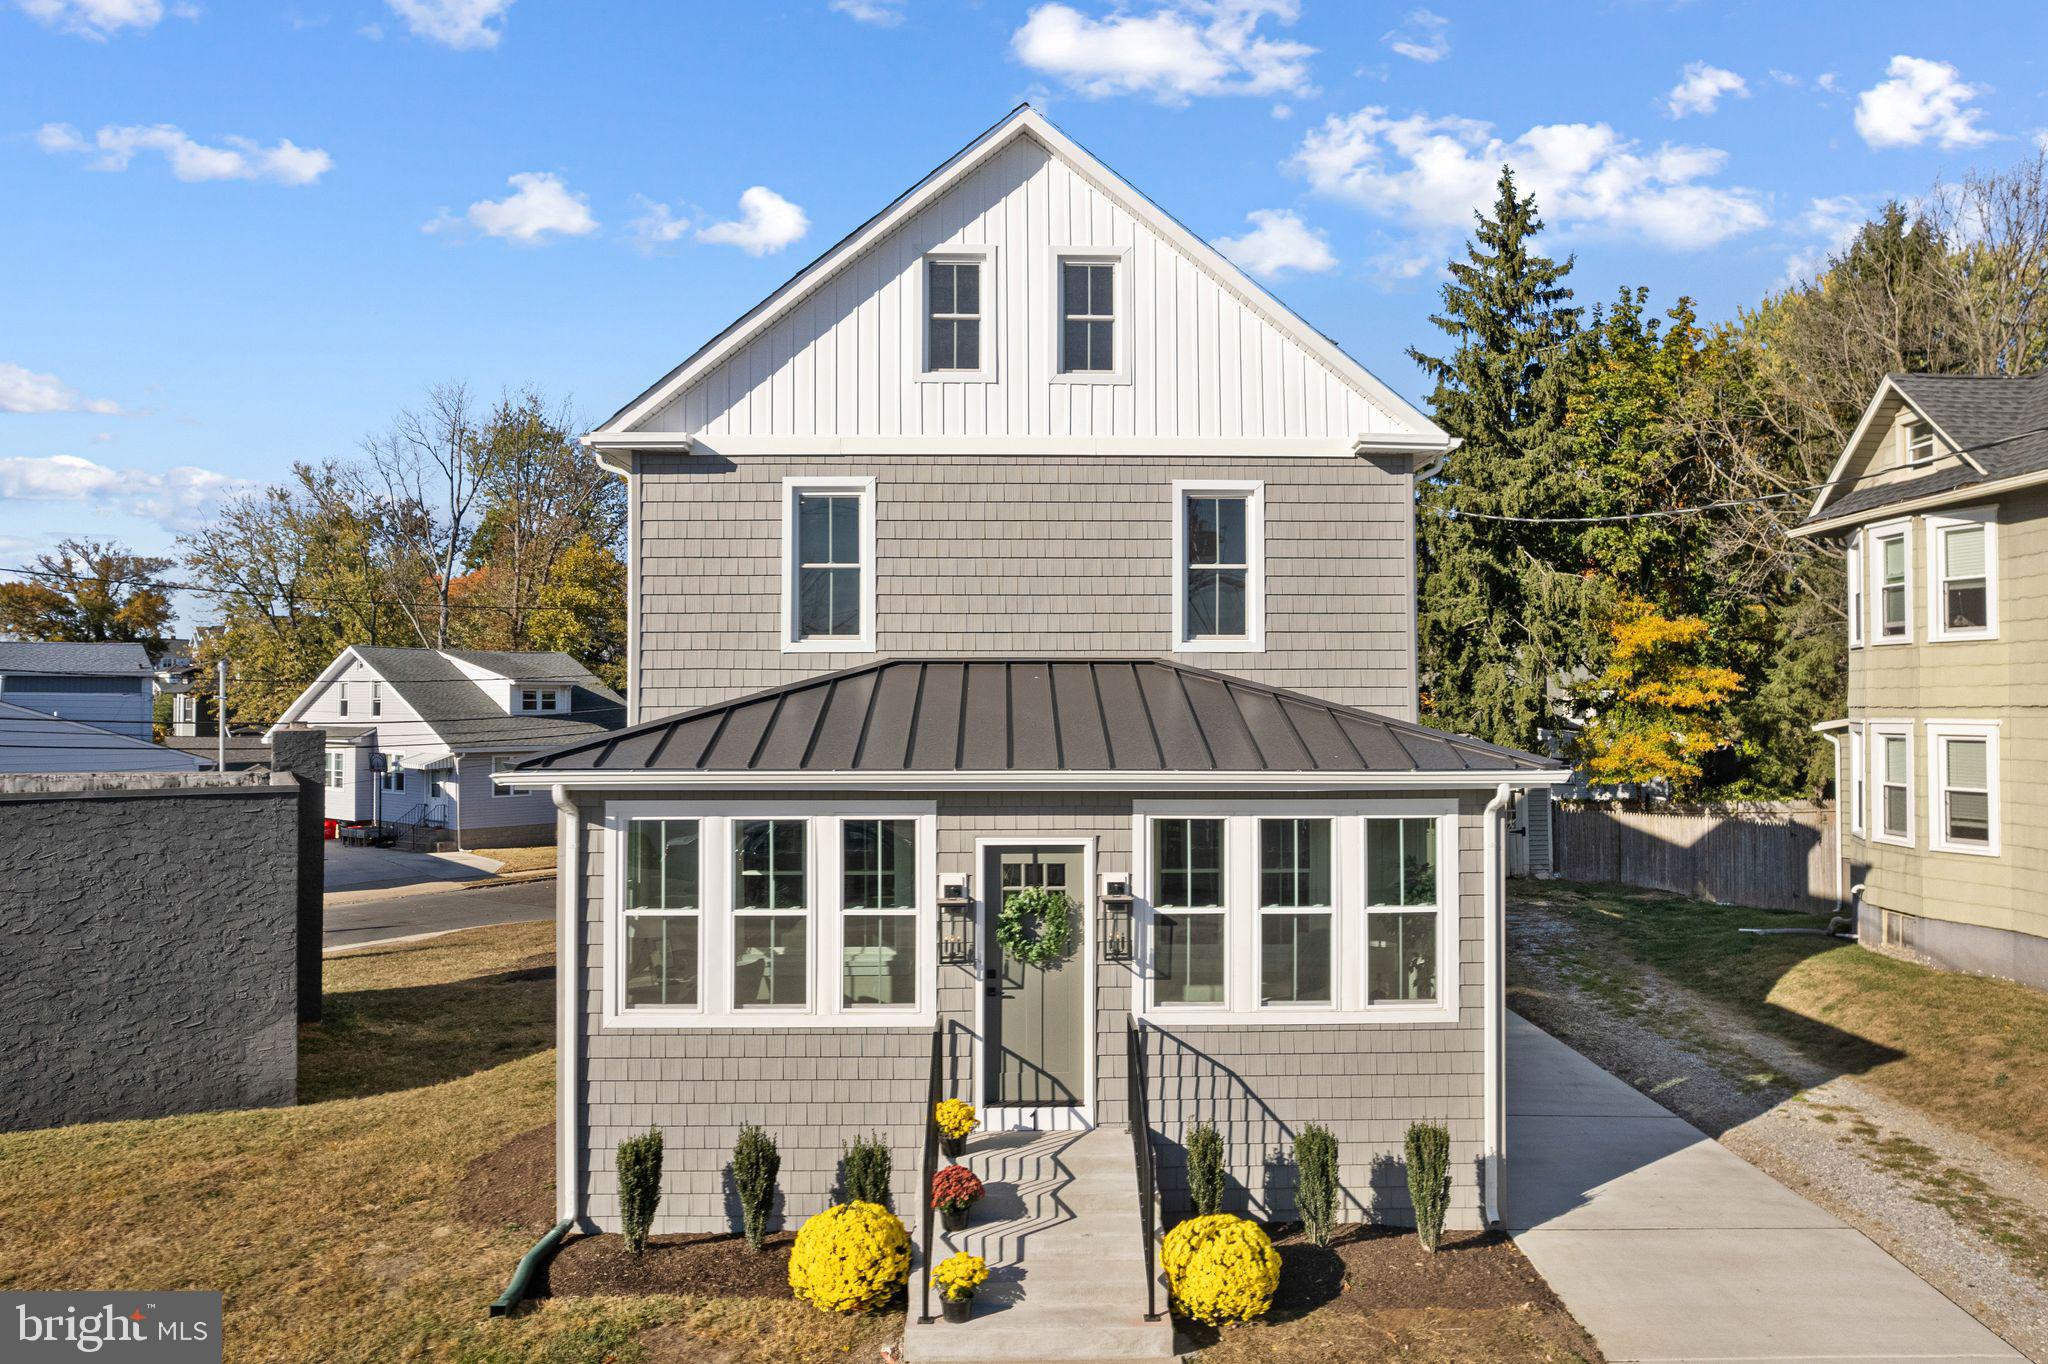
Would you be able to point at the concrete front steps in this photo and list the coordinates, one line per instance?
(1059, 1229)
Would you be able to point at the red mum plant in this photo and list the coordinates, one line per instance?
(955, 1187)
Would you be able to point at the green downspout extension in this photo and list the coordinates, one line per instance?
(530, 1263)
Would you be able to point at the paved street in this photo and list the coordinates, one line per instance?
(355, 919)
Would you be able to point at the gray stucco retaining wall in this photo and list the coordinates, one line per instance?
(148, 927)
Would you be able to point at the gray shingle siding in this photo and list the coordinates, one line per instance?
(816, 1089)
(1038, 556)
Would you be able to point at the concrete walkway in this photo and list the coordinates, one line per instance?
(349, 868)
(1669, 1247)
(1059, 1230)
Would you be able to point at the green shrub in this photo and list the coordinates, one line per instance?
(1428, 1148)
(1205, 1170)
(639, 1186)
(1315, 1164)
(864, 1171)
(755, 1163)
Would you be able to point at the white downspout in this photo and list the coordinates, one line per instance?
(1842, 900)
(568, 1008)
(1495, 1012)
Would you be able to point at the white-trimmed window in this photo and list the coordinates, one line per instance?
(1891, 782)
(1853, 571)
(337, 768)
(1297, 911)
(341, 699)
(376, 698)
(1965, 786)
(541, 701)
(1091, 303)
(505, 762)
(662, 924)
(1962, 575)
(394, 772)
(1189, 949)
(1266, 911)
(1858, 772)
(1891, 583)
(828, 593)
(769, 915)
(1219, 568)
(957, 313)
(1917, 444)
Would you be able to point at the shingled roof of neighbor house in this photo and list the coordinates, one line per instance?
(1034, 715)
(463, 716)
(40, 656)
(2001, 423)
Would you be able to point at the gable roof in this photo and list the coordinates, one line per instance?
(1142, 721)
(461, 715)
(99, 660)
(617, 431)
(1997, 425)
(38, 742)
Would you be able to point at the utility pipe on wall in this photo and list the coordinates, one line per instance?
(568, 1004)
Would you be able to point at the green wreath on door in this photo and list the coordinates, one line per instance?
(1047, 910)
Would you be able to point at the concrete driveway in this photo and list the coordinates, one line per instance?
(1668, 1246)
(354, 868)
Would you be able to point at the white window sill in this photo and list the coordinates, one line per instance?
(865, 644)
(1291, 1015)
(1894, 640)
(1220, 646)
(1965, 849)
(957, 376)
(1894, 840)
(1091, 377)
(1962, 636)
(767, 1020)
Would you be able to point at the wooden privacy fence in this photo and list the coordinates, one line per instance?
(1771, 856)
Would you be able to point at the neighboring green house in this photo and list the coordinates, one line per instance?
(1940, 503)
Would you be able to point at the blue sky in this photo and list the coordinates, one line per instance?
(240, 234)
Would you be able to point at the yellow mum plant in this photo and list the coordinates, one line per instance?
(959, 1275)
(850, 1258)
(955, 1118)
(1221, 1268)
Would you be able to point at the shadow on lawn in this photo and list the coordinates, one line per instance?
(377, 1041)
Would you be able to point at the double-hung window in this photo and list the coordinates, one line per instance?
(1891, 761)
(1297, 911)
(341, 699)
(1859, 811)
(376, 698)
(1189, 919)
(1962, 597)
(1965, 786)
(878, 919)
(539, 700)
(337, 768)
(952, 295)
(1088, 292)
(1853, 567)
(1402, 913)
(394, 772)
(662, 923)
(829, 588)
(771, 913)
(1219, 566)
(1891, 552)
(1919, 443)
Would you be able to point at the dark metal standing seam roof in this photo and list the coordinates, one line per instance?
(1031, 715)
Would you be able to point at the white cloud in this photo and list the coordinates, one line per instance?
(1831, 223)
(237, 158)
(179, 499)
(1278, 242)
(23, 390)
(539, 206)
(659, 225)
(100, 19)
(1422, 37)
(883, 13)
(1701, 88)
(1182, 49)
(1431, 173)
(465, 25)
(1829, 81)
(1923, 100)
(767, 223)
(1785, 78)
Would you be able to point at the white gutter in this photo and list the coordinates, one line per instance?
(568, 1009)
(1969, 492)
(1495, 938)
(598, 778)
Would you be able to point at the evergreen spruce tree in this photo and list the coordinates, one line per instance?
(1502, 610)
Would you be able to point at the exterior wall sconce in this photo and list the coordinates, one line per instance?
(1118, 935)
(956, 920)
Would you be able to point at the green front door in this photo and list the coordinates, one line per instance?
(1036, 1017)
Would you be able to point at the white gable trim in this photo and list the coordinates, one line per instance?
(1022, 122)
(1864, 423)
(320, 684)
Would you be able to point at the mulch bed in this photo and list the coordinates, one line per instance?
(711, 1265)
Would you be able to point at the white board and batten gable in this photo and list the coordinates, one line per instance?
(1205, 359)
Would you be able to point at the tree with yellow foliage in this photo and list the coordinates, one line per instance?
(1659, 707)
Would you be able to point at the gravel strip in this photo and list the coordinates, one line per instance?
(1969, 1220)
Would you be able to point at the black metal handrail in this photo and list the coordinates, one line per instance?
(931, 1164)
(1141, 1141)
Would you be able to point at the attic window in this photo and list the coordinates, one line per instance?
(1087, 317)
(1920, 444)
(539, 700)
(953, 297)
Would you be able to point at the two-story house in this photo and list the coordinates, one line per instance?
(1939, 503)
(1021, 541)
(67, 707)
(413, 735)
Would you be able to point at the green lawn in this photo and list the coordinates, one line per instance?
(1969, 1051)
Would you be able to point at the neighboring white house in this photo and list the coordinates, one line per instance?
(80, 708)
(414, 735)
